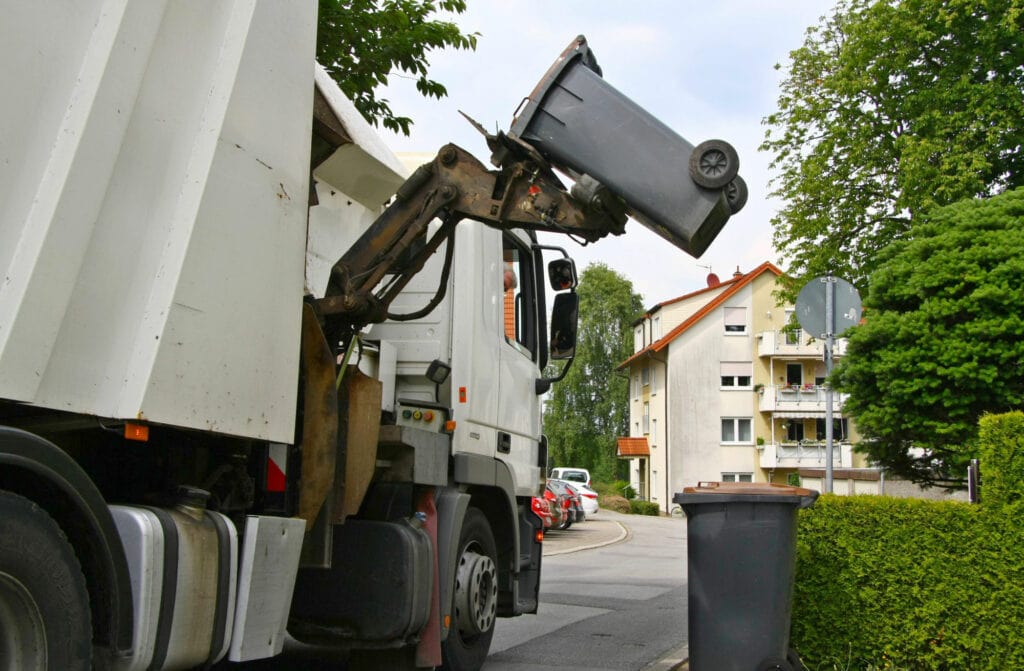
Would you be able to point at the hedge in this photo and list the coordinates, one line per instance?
(1001, 452)
(887, 583)
(644, 507)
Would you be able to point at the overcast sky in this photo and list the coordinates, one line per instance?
(705, 69)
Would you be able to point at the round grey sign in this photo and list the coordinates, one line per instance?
(810, 306)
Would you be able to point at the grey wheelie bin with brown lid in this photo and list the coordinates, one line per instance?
(615, 149)
(741, 551)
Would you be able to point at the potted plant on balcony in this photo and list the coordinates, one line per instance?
(759, 388)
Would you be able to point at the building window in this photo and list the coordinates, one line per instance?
(794, 373)
(654, 377)
(636, 387)
(794, 336)
(794, 431)
(656, 329)
(638, 339)
(840, 428)
(737, 477)
(654, 433)
(647, 418)
(645, 375)
(736, 430)
(735, 320)
(736, 374)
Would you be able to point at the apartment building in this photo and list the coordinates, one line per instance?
(721, 390)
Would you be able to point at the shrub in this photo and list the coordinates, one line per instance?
(908, 584)
(1001, 456)
(616, 503)
(644, 508)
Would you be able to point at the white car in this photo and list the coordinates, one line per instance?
(573, 475)
(587, 496)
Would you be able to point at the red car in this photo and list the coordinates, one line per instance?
(561, 508)
(542, 509)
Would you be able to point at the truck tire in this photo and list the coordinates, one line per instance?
(476, 596)
(44, 605)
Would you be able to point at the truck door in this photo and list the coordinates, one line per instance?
(519, 355)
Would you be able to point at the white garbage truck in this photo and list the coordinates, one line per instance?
(254, 381)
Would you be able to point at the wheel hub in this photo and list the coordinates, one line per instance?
(476, 593)
(22, 633)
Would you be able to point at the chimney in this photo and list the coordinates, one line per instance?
(737, 273)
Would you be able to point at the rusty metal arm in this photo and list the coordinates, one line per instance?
(523, 193)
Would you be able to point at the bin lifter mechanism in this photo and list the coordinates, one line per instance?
(524, 192)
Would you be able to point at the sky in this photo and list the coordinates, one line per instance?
(705, 69)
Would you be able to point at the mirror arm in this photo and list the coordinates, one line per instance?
(543, 384)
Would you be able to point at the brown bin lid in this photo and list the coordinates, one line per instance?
(749, 488)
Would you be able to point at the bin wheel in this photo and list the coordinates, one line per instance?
(795, 661)
(775, 664)
(713, 164)
(736, 194)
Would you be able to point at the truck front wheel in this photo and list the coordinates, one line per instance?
(476, 596)
(44, 605)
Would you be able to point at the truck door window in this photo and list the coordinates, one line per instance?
(519, 312)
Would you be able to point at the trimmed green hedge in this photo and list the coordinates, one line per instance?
(887, 583)
(1001, 453)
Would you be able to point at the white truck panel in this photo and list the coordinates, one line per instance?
(152, 230)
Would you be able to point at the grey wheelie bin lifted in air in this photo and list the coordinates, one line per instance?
(741, 550)
(584, 127)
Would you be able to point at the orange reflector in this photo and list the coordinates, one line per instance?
(539, 536)
(462, 394)
(447, 621)
(139, 432)
(449, 426)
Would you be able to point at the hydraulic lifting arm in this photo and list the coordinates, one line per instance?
(523, 192)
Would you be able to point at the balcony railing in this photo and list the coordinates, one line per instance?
(799, 345)
(804, 454)
(796, 398)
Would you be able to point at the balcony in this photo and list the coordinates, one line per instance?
(804, 454)
(795, 398)
(798, 345)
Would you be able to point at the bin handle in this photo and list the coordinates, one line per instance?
(708, 485)
(808, 500)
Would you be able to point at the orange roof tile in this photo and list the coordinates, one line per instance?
(633, 447)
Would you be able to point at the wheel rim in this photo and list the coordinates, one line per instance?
(713, 163)
(476, 593)
(22, 633)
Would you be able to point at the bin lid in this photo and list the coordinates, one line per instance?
(759, 492)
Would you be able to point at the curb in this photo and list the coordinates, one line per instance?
(624, 534)
(674, 660)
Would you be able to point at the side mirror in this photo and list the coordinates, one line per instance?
(562, 274)
(564, 317)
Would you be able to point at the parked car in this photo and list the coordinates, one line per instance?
(588, 497)
(566, 489)
(561, 508)
(542, 508)
(580, 475)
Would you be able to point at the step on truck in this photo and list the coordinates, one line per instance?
(253, 380)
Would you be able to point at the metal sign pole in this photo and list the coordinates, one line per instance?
(830, 329)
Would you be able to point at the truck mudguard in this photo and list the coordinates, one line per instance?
(39, 470)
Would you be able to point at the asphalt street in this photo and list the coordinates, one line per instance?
(613, 596)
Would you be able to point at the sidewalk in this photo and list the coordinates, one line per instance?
(597, 531)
